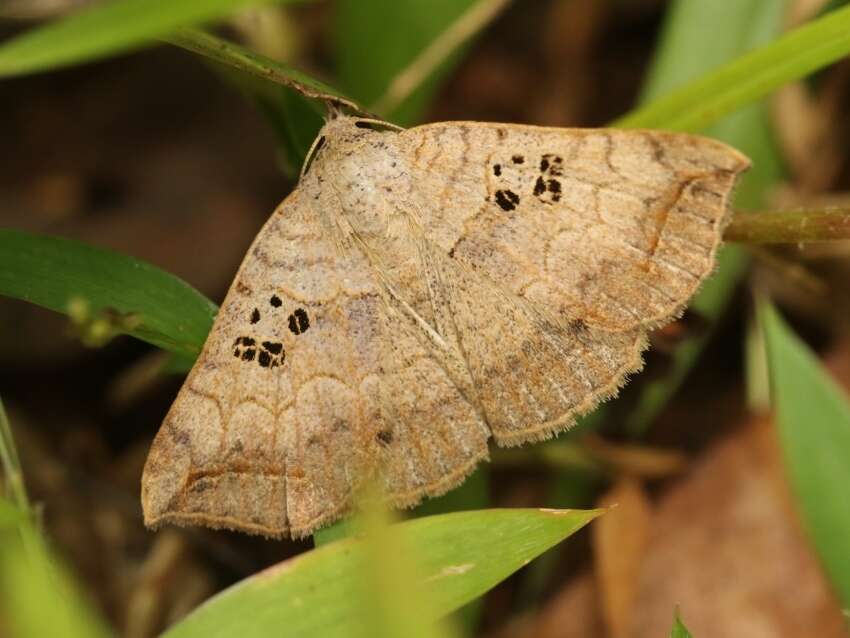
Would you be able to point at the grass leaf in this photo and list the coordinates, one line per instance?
(366, 70)
(106, 28)
(813, 416)
(437, 55)
(461, 555)
(749, 78)
(241, 59)
(131, 296)
(10, 516)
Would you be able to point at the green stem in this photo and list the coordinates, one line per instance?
(789, 226)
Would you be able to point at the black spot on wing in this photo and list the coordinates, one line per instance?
(299, 321)
(274, 348)
(507, 200)
(539, 187)
(271, 354)
(264, 359)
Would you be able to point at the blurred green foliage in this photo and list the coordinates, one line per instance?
(458, 556)
(813, 416)
(105, 29)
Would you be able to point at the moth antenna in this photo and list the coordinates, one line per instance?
(378, 123)
(311, 155)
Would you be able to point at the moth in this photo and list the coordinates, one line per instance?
(421, 292)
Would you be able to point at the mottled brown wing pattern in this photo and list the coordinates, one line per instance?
(310, 381)
(618, 228)
(267, 433)
(532, 371)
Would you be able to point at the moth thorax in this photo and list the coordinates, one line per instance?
(368, 184)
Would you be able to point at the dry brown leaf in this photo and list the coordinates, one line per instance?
(572, 613)
(169, 585)
(726, 547)
(619, 543)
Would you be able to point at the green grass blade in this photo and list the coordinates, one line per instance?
(134, 297)
(438, 54)
(460, 556)
(290, 100)
(813, 416)
(392, 598)
(294, 118)
(241, 59)
(10, 516)
(679, 630)
(696, 37)
(749, 78)
(340, 530)
(402, 30)
(105, 29)
(472, 494)
(37, 595)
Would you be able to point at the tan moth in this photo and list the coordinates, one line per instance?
(422, 291)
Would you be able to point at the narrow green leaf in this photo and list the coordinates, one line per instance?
(37, 595)
(366, 70)
(10, 516)
(460, 556)
(290, 100)
(472, 494)
(437, 55)
(749, 78)
(104, 29)
(697, 36)
(813, 416)
(295, 119)
(296, 123)
(391, 597)
(241, 59)
(340, 530)
(679, 630)
(131, 296)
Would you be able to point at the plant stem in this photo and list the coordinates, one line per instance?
(789, 226)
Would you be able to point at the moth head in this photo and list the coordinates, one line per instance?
(344, 137)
